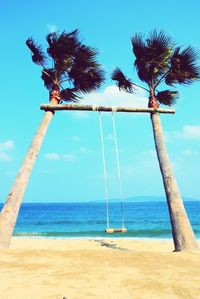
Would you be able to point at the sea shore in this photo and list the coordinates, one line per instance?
(98, 268)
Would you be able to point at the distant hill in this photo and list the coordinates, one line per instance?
(149, 199)
(127, 199)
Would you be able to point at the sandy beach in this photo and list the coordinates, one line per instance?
(104, 268)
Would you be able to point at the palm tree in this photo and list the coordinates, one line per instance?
(159, 62)
(73, 70)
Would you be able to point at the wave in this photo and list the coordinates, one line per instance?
(161, 233)
(143, 220)
(67, 222)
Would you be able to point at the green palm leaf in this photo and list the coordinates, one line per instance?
(74, 64)
(183, 68)
(159, 46)
(138, 45)
(152, 55)
(62, 48)
(157, 61)
(86, 80)
(49, 78)
(122, 82)
(38, 56)
(85, 72)
(85, 57)
(62, 45)
(167, 97)
(70, 95)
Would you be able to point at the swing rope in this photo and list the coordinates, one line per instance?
(104, 171)
(119, 171)
(123, 229)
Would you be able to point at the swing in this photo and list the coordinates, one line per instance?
(109, 230)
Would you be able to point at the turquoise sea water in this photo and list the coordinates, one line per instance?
(143, 220)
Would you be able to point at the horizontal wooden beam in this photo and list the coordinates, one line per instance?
(78, 107)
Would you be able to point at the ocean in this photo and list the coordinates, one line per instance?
(85, 220)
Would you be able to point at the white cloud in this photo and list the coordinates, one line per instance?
(192, 132)
(111, 96)
(48, 171)
(69, 157)
(145, 164)
(187, 132)
(109, 137)
(52, 28)
(128, 171)
(189, 152)
(4, 157)
(52, 156)
(7, 145)
(56, 156)
(79, 114)
(76, 139)
(85, 150)
(4, 147)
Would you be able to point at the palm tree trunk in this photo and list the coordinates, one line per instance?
(9, 213)
(183, 235)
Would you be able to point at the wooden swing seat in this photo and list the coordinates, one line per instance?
(115, 230)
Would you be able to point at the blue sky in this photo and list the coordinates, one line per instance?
(69, 166)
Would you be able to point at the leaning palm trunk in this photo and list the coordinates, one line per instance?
(183, 235)
(9, 213)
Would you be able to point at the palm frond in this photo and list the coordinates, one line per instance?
(184, 68)
(139, 49)
(87, 80)
(159, 50)
(70, 95)
(62, 47)
(74, 64)
(85, 57)
(38, 56)
(122, 82)
(138, 45)
(145, 71)
(152, 55)
(167, 97)
(48, 76)
(159, 43)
